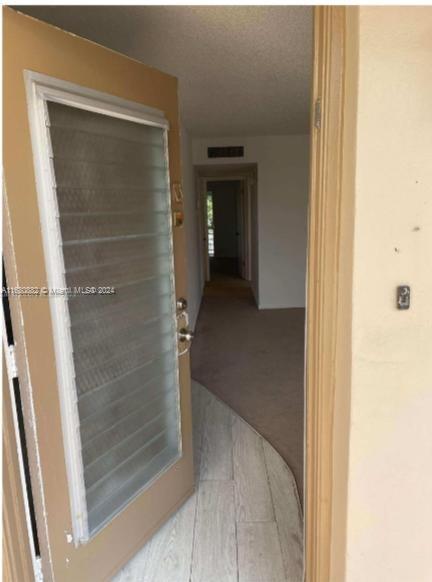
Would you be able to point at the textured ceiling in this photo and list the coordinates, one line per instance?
(242, 70)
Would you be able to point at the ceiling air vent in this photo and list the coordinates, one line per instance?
(226, 152)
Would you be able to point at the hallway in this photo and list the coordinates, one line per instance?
(254, 361)
(244, 522)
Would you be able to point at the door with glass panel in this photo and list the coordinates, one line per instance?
(96, 213)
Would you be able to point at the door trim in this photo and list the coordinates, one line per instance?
(45, 87)
(247, 174)
(329, 295)
(23, 554)
(14, 480)
(19, 560)
(245, 194)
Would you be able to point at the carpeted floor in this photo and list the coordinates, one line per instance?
(253, 360)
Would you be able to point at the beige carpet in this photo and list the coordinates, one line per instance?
(253, 360)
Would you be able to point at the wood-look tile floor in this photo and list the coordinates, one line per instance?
(243, 524)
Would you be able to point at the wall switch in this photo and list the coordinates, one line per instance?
(403, 297)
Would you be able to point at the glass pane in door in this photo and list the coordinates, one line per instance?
(112, 194)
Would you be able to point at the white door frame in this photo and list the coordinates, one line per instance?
(246, 235)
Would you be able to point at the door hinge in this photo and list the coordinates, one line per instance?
(317, 113)
(11, 362)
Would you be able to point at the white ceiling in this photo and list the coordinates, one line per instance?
(242, 70)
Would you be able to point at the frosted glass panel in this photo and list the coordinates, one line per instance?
(114, 216)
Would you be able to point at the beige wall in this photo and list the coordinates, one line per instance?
(389, 529)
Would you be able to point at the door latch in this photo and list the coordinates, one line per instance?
(181, 304)
(185, 336)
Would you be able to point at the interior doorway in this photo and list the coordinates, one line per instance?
(228, 226)
(224, 228)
